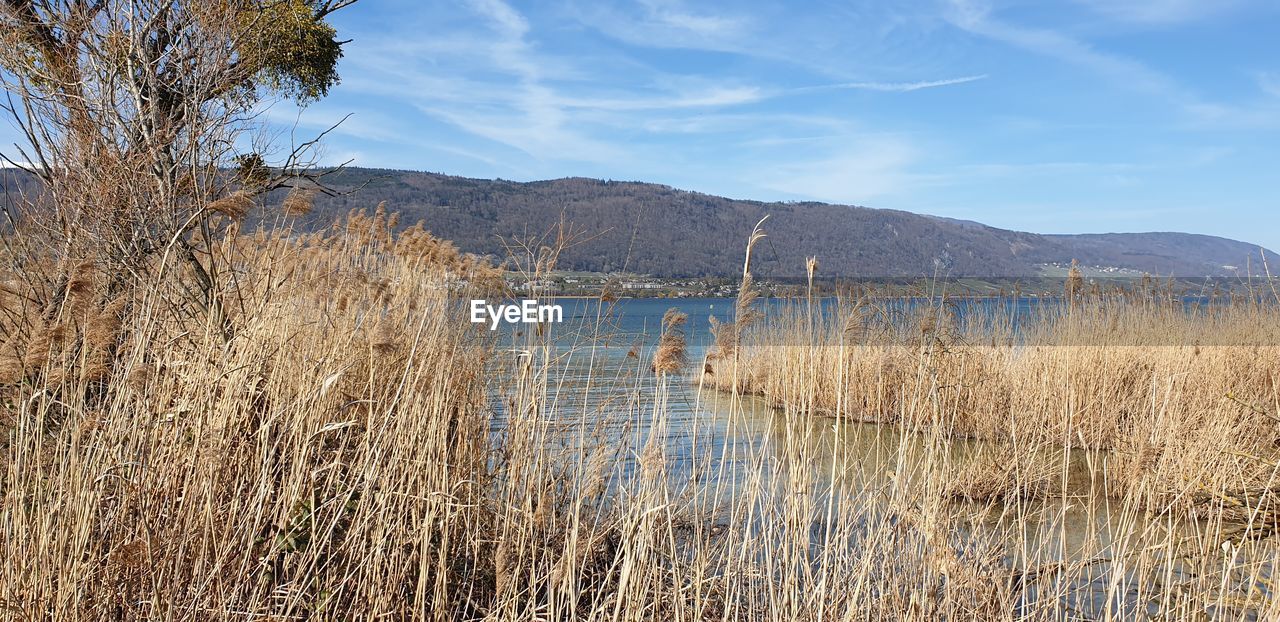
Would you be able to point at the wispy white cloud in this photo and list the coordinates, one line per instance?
(503, 16)
(902, 87)
(367, 125)
(720, 96)
(497, 83)
(860, 171)
(541, 123)
(1004, 169)
(709, 97)
(738, 123)
(543, 138)
(975, 16)
(1163, 12)
(498, 79)
(715, 97)
(838, 40)
(1181, 160)
(674, 15)
(1269, 82)
(669, 24)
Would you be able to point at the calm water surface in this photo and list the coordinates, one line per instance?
(599, 379)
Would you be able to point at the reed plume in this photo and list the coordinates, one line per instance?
(729, 334)
(234, 206)
(1074, 286)
(299, 202)
(811, 269)
(745, 312)
(359, 451)
(670, 356)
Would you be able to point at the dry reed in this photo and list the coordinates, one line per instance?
(356, 450)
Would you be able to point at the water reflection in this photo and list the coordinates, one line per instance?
(1064, 540)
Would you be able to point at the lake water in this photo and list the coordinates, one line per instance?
(598, 378)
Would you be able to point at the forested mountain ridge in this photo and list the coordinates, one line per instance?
(655, 229)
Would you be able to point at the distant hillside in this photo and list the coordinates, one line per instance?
(655, 229)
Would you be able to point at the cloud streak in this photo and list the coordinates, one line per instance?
(975, 16)
(902, 87)
(1162, 12)
(856, 102)
(855, 171)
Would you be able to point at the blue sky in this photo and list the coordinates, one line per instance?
(1056, 117)
(1073, 116)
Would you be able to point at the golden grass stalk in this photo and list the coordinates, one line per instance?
(670, 356)
(299, 202)
(381, 458)
(234, 206)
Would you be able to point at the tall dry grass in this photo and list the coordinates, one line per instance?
(1102, 407)
(345, 446)
(324, 461)
(1178, 399)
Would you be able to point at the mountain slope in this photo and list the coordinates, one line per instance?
(654, 229)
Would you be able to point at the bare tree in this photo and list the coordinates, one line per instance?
(136, 112)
